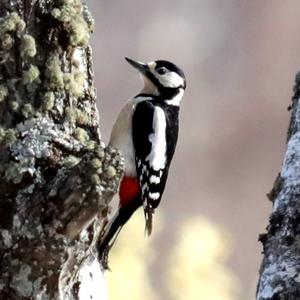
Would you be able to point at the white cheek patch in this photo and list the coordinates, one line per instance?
(170, 79)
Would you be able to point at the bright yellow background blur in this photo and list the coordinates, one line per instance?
(195, 268)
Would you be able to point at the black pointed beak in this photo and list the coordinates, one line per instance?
(141, 67)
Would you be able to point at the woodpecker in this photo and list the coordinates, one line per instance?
(145, 132)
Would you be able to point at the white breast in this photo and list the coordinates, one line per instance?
(121, 135)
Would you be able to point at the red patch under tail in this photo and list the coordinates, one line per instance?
(129, 189)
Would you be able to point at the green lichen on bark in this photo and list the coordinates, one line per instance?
(28, 48)
(81, 135)
(56, 176)
(31, 75)
(48, 101)
(69, 12)
(54, 74)
(11, 22)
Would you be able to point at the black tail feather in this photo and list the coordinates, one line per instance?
(149, 212)
(107, 241)
(112, 230)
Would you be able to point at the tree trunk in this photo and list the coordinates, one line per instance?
(56, 176)
(280, 269)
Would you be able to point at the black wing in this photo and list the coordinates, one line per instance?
(154, 132)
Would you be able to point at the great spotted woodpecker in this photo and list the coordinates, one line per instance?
(146, 133)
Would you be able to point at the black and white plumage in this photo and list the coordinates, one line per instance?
(154, 144)
(146, 133)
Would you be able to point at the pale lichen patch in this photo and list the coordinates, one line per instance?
(31, 75)
(28, 46)
(71, 161)
(95, 179)
(74, 83)
(7, 41)
(70, 13)
(82, 118)
(48, 101)
(111, 171)
(96, 163)
(54, 73)
(12, 23)
(70, 114)
(77, 116)
(27, 110)
(7, 136)
(81, 135)
(91, 145)
(14, 105)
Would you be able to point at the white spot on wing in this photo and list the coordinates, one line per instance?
(154, 196)
(154, 179)
(157, 156)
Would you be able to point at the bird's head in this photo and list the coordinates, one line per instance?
(160, 77)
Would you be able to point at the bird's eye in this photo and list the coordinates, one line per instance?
(161, 70)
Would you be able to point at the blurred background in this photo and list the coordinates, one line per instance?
(240, 58)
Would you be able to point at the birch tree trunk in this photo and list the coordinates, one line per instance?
(56, 176)
(280, 269)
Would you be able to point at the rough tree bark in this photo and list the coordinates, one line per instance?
(280, 269)
(56, 176)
